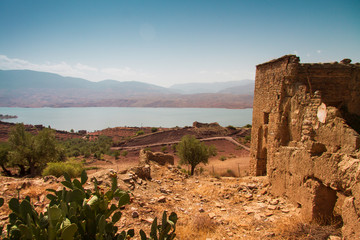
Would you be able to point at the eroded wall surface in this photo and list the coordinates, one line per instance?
(305, 136)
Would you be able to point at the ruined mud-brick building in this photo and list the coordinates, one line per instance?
(305, 136)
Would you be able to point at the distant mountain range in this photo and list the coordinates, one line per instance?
(242, 87)
(25, 88)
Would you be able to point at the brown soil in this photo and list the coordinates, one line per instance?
(209, 205)
(5, 129)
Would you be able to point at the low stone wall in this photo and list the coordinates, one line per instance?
(158, 157)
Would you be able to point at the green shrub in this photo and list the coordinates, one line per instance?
(164, 149)
(147, 149)
(247, 126)
(57, 169)
(185, 171)
(247, 138)
(212, 150)
(124, 153)
(117, 154)
(140, 132)
(154, 129)
(79, 146)
(87, 154)
(98, 155)
(222, 158)
(231, 127)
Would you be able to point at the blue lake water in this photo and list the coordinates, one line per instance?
(97, 118)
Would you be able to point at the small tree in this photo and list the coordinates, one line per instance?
(192, 151)
(31, 153)
(4, 162)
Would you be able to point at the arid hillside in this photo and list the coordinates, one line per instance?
(219, 202)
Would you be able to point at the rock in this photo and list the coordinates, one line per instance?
(127, 180)
(143, 171)
(230, 234)
(285, 210)
(248, 196)
(269, 235)
(135, 214)
(272, 207)
(201, 210)
(42, 198)
(50, 178)
(274, 202)
(251, 186)
(60, 179)
(158, 157)
(162, 199)
(212, 215)
(163, 190)
(148, 220)
(351, 219)
(268, 214)
(218, 205)
(334, 238)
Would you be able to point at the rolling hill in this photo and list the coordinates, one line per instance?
(25, 88)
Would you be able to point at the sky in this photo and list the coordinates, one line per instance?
(174, 41)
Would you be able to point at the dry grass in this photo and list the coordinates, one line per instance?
(295, 228)
(200, 227)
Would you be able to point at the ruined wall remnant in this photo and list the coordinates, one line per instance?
(305, 136)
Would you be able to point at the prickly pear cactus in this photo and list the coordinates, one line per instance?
(76, 213)
(165, 231)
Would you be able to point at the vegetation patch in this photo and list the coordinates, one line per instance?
(57, 169)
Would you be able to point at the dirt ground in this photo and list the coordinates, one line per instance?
(220, 202)
(235, 160)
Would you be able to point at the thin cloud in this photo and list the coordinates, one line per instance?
(78, 70)
(85, 67)
(62, 68)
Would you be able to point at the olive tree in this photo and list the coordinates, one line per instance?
(192, 151)
(31, 152)
(4, 162)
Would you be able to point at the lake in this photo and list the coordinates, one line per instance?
(97, 118)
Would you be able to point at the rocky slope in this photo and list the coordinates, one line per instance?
(208, 207)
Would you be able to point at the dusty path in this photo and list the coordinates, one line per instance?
(230, 139)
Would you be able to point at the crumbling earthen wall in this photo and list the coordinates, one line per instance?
(305, 136)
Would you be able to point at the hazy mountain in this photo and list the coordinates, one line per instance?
(24, 88)
(242, 89)
(26, 79)
(191, 88)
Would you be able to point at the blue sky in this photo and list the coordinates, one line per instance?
(169, 42)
